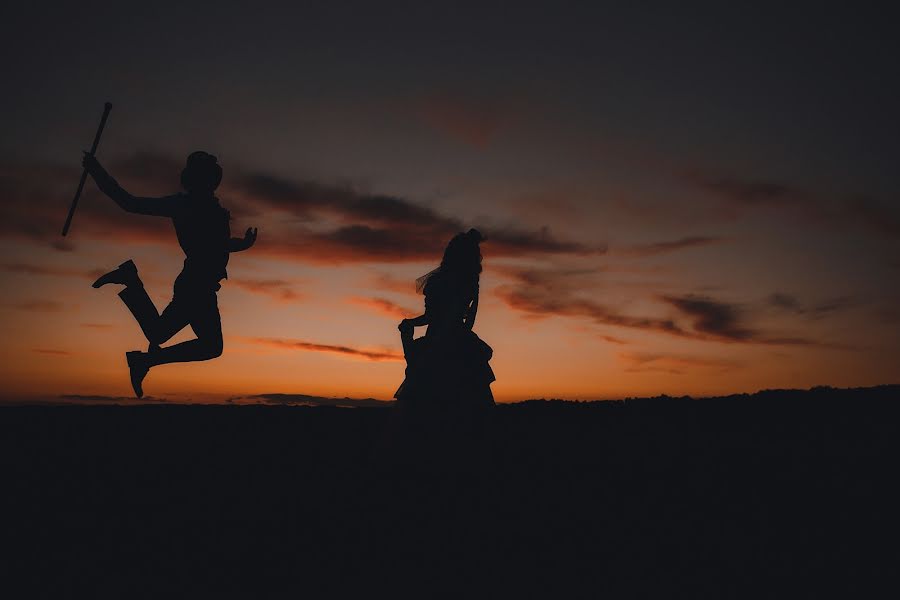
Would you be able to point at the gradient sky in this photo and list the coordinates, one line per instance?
(677, 201)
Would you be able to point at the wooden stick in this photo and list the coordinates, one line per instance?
(106, 108)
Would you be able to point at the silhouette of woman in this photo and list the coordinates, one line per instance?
(447, 368)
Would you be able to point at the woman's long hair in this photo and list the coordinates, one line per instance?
(461, 264)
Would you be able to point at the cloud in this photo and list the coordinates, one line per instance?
(666, 247)
(749, 192)
(39, 306)
(541, 304)
(279, 289)
(54, 271)
(98, 399)
(708, 316)
(389, 283)
(860, 210)
(721, 321)
(383, 306)
(338, 225)
(648, 362)
(327, 224)
(305, 400)
(824, 308)
(374, 355)
(52, 351)
(569, 293)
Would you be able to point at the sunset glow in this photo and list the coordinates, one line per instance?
(640, 241)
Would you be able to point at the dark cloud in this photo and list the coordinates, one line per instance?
(824, 308)
(720, 321)
(381, 228)
(708, 316)
(329, 224)
(785, 301)
(665, 247)
(540, 304)
(542, 293)
(52, 351)
(749, 192)
(858, 210)
(305, 400)
(98, 399)
(375, 355)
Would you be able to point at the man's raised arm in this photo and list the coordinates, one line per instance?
(158, 207)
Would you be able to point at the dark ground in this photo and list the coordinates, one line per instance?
(780, 494)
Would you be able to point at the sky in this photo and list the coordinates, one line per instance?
(676, 200)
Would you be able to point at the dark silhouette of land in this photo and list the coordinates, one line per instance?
(777, 494)
(203, 228)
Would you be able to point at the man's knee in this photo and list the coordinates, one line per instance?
(215, 345)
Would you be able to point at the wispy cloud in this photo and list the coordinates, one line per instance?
(708, 316)
(327, 224)
(383, 306)
(348, 351)
(669, 246)
(539, 293)
(715, 320)
(53, 271)
(46, 306)
(816, 310)
(52, 351)
(541, 304)
(305, 400)
(673, 364)
(859, 209)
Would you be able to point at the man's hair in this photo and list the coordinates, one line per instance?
(202, 173)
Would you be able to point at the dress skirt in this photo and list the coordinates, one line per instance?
(449, 371)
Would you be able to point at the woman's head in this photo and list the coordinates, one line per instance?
(463, 254)
(202, 173)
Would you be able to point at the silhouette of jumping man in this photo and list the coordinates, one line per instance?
(447, 368)
(204, 233)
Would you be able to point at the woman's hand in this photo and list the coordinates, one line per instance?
(406, 327)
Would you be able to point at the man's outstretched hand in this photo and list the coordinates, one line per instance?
(250, 237)
(241, 244)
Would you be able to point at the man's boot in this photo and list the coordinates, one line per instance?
(125, 274)
(139, 366)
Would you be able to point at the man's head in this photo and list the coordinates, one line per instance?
(202, 173)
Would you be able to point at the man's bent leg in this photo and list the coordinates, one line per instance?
(207, 324)
(141, 306)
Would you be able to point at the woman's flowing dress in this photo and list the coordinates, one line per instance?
(448, 368)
